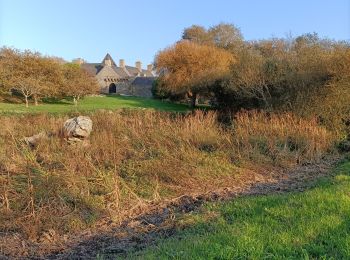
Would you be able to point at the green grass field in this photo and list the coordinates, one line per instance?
(314, 224)
(94, 103)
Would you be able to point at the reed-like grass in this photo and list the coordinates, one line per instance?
(135, 158)
(280, 138)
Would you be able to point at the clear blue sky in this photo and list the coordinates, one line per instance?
(138, 29)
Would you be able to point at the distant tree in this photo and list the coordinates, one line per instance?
(197, 34)
(191, 68)
(225, 35)
(307, 40)
(2, 75)
(30, 74)
(77, 83)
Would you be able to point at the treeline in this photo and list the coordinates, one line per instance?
(307, 75)
(34, 76)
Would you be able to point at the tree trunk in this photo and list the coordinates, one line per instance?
(75, 101)
(194, 100)
(26, 98)
(35, 96)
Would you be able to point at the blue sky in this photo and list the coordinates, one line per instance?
(136, 30)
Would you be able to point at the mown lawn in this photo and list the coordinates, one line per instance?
(94, 103)
(314, 224)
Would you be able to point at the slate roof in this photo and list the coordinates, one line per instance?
(144, 81)
(92, 68)
(148, 73)
(132, 70)
(109, 57)
(121, 72)
(126, 72)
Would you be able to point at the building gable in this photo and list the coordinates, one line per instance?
(126, 80)
(108, 73)
(108, 58)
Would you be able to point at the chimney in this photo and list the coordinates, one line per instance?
(78, 61)
(122, 63)
(150, 67)
(138, 65)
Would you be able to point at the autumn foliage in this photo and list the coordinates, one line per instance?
(35, 76)
(191, 68)
(306, 75)
(29, 74)
(77, 83)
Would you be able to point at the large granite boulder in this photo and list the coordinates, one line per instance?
(77, 129)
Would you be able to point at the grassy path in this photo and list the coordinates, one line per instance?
(314, 224)
(303, 214)
(94, 103)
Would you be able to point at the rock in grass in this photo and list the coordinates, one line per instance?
(34, 140)
(77, 129)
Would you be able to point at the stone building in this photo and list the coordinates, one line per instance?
(122, 79)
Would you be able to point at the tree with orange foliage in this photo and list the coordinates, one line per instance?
(29, 73)
(191, 68)
(77, 83)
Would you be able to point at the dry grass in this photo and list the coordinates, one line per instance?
(135, 158)
(280, 138)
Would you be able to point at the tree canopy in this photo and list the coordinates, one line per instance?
(223, 35)
(35, 76)
(188, 67)
(77, 83)
(29, 73)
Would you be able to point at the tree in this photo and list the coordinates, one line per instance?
(2, 76)
(191, 68)
(77, 83)
(248, 78)
(225, 35)
(30, 74)
(197, 34)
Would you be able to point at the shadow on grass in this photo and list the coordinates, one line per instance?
(51, 101)
(137, 102)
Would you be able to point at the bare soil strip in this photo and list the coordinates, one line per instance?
(158, 220)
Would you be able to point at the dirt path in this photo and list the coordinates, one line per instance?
(113, 240)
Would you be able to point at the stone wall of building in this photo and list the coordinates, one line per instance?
(123, 80)
(141, 90)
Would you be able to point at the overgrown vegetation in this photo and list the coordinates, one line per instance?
(191, 68)
(279, 103)
(306, 75)
(309, 225)
(137, 157)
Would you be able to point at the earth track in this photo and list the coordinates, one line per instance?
(159, 220)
